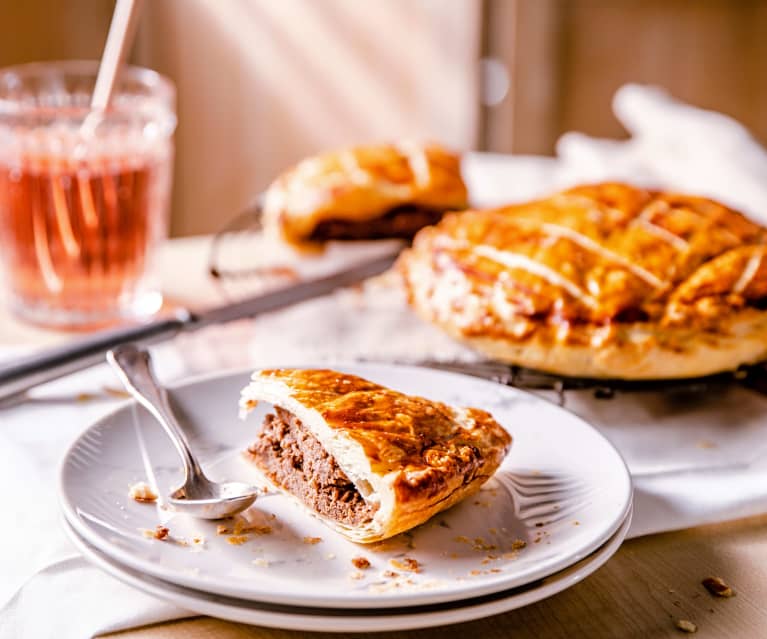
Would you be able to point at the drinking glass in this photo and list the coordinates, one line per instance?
(82, 209)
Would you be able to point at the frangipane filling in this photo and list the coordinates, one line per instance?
(292, 457)
(403, 222)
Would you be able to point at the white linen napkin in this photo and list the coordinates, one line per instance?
(676, 146)
(47, 590)
(691, 465)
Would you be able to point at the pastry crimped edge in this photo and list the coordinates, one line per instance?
(643, 354)
(393, 515)
(636, 351)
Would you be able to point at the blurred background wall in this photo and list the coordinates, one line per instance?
(262, 83)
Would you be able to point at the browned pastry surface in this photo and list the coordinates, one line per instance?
(365, 192)
(600, 281)
(408, 456)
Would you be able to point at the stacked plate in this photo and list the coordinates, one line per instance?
(556, 510)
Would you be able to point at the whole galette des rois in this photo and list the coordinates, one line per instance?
(606, 281)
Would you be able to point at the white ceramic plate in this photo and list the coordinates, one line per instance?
(354, 620)
(563, 490)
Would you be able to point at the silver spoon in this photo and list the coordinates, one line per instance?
(198, 496)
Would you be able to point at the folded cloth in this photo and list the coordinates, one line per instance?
(676, 146)
(44, 579)
(693, 463)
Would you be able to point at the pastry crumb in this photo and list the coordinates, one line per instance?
(361, 562)
(330, 555)
(685, 625)
(706, 444)
(356, 576)
(223, 529)
(237, 540)
(717, 587)
(311, 541)
(160, 533)
(390, 574)
(260, 562)
(461, 539)
(142, 493)
(244, 526)
(518, 544)
(407, 564)
(481, 544)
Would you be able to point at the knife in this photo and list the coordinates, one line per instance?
(18, 377)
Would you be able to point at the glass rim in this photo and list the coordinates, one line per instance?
(161, 86)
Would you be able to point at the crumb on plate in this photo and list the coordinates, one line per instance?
(407, 564)
(142, 493)
(160, 533)
(361, 562)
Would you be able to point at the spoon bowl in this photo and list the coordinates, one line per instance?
(198, 496)
(214, 501)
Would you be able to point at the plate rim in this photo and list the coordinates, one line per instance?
(397, 619)
(390, 600)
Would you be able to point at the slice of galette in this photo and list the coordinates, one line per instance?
(370, 461)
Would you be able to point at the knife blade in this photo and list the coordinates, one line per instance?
(18, 377)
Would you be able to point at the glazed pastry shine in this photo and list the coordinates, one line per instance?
(408, 456)
(606, 280)
(360, 184)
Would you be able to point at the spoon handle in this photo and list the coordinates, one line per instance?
(133, 366)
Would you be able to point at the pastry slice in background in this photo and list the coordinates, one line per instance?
(364, 192)
(370, 461)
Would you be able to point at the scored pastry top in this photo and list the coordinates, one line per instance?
(398, 432)
(608, 281)
(597, 254)
(362, 183)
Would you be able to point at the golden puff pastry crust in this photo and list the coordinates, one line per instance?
(605, 281)
(406, 458)
(364, 192)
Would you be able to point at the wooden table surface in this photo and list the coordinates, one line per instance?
(642, 591)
